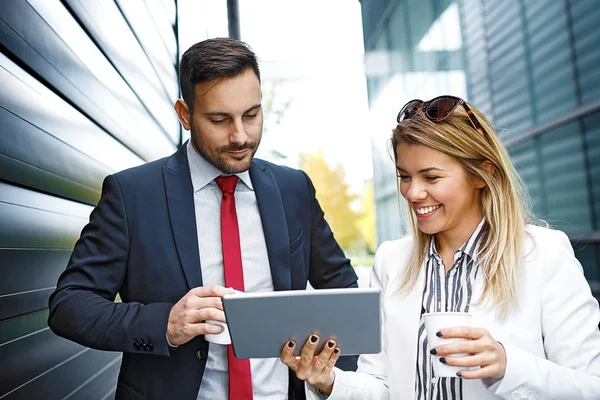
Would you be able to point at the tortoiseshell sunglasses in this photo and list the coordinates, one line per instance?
(438, 109)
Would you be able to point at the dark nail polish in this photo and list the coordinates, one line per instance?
(313, 339)
(458, 374)
(336, 351)
(442, 360)
(330, 344)
(291, 344)
(439, 334)
(433, 351)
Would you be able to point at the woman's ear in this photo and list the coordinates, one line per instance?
(490, 168)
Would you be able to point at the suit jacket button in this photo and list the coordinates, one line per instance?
(144, 346)
(201, 354)
(136, 346)
(150, 347)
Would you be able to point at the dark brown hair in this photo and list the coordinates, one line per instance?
(214, 58)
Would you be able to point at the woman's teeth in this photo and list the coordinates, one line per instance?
(426, 210)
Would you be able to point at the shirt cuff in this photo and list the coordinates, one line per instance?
(169, 343)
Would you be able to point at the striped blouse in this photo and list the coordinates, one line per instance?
(443, 293)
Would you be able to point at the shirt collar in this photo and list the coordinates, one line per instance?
(470, 247)
(203, 172)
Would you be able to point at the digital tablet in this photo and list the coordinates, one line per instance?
(260, 324)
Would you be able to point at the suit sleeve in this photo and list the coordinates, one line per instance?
(370, 382)
(328, 266)
(570, 316)
(82, 307)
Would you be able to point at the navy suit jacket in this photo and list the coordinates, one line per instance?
(141, 242)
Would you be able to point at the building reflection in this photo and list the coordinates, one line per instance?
(529, 65)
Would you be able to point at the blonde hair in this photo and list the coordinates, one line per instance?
(504, 203)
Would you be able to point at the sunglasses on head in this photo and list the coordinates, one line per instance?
(438, 109)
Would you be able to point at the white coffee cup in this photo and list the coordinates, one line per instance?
(219, 338)
(434, 322)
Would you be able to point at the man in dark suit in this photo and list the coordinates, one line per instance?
(155, 238)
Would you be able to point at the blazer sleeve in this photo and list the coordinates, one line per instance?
(329, 267)
(82, 308)
(569, 320)
(370, 381)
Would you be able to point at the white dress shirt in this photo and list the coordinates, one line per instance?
(270, 377)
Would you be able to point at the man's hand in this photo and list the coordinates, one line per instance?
(188, 317)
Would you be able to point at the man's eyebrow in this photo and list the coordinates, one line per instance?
(224, 114)
(422, 171)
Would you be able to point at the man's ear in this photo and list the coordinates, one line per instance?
(183, 112)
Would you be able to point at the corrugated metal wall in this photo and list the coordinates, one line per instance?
(86, 89)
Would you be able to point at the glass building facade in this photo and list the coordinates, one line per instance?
(529, 65)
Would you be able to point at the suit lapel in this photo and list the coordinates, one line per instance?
(180, 203)
(272, 214)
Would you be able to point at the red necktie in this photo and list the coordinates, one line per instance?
(240, 382)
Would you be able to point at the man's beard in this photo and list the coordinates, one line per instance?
(217, 159)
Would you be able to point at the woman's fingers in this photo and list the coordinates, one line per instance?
(326, 377)
(287, 355)
(466, 347)
(485, 372)
(322, 360)
(316, 369)
(484, 351)
(306, 357)
(470, 361)
(466, 332)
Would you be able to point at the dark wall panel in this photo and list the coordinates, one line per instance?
(37, 232)
(57, 359)
(29, 219)
(47, 349)
(120, 45)
(156, 42)
(86, 89)
(41, 134)
(86, 78)
(91, 375)
(24, 268)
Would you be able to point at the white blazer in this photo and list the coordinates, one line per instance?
(551, 337)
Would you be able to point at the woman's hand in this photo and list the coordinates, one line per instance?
(484, 351)
(314, 369)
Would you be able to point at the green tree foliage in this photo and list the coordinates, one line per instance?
(335, 198)
(367, 221)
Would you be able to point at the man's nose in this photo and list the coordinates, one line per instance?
(238, 134)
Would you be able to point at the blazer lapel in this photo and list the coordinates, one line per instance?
(180, 203)
(274, 223)
(407, 312)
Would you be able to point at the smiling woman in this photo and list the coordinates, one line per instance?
(473, 249)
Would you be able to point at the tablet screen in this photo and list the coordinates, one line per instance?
(260, 324)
